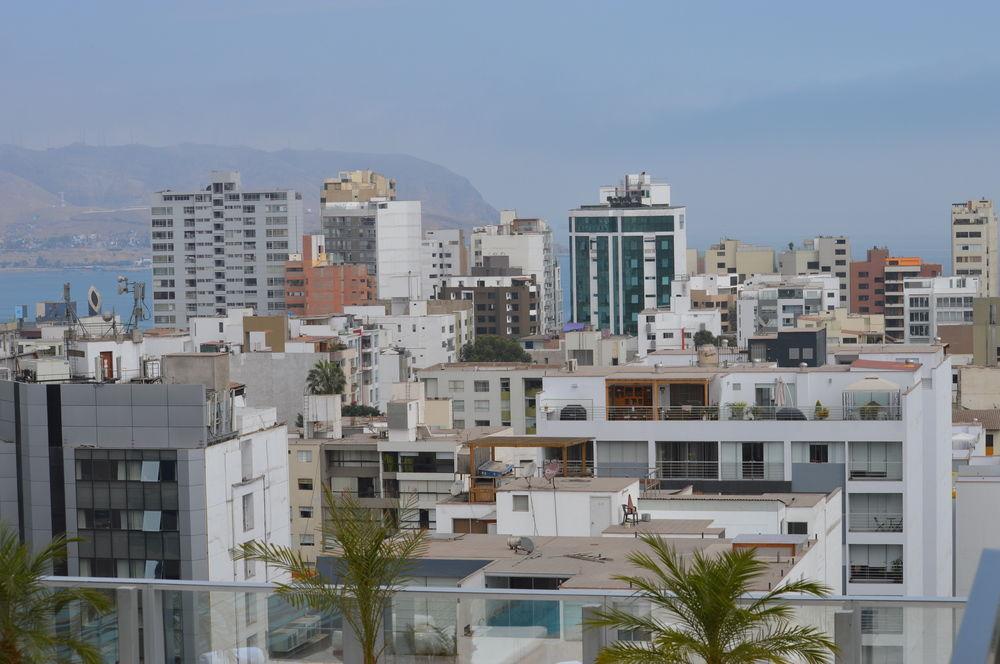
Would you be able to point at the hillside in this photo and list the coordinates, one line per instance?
(83, 200)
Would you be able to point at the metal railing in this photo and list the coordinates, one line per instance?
(160, 621)
(707, 470)
(753, 470)
(560, 410)
(875, 522)
(875, 470)
(891, 573)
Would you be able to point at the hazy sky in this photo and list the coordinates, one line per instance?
(772, 120)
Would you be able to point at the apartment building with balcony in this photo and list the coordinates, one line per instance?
(505, 305)
(931, 303)
(625, 253)
(823, 255)
(444, 254)
(221, 246)
(314, 286)
(871, 427)
(974, 238)
(586, 347)
(877, 284)
(528, 245)
(769, 302)
(716, 291)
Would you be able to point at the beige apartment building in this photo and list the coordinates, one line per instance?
(357, 187)
(736, 257)
(974, 244)
(843, 327)
(827, 255)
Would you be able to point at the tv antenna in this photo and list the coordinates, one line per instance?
(140, 311)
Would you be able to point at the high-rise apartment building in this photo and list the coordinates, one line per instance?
(895, 271)
(314, 286)
(357, 186)
(444, 254)
(221, 247)
(974, 246)
(505, 305)
(829, 255)
(625, 253)
(528, 244)
(736, 257)
(383, 235)
(769, 302)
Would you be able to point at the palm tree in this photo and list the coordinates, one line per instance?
(326, 378)
(373, 557)
(710, 620)
(28, 608)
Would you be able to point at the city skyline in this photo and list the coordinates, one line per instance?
(867, 128)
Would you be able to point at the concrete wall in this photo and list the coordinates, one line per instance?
(275, 380)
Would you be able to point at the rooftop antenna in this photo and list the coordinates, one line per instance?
(140, 311)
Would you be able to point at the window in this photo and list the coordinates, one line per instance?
(304, 456)
(249, 569)
(249, 608)
(521, 503)
(482, 406)
(307, 539)
(793, 353)
(458, 406)
(246, 459)
(807, 353)
(798, 528)
(819, 453)
(305, 484)
(305, 511)
(247, 512)
(482, 385)
(482, 423)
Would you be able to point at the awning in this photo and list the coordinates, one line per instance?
(873, 384)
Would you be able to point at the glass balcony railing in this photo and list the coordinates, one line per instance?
(876, 470)
(569, 410)
(156, 621)
(881, 522)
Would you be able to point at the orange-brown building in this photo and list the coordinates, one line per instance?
(870, 293)
(314, 286)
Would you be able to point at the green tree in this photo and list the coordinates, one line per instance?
(491, 348)
(371, 557)
(28, 608)
(705, 338)
(326, 378)
(708, 619)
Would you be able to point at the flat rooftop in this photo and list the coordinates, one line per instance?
(787, 499)
(579, 484)
(585, 562)
(667, 527)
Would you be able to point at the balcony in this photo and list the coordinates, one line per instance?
(160, 621)
(875, 470)
(584, 410)
(889, 573)
(695, 470)
(875, 523)
(753, 470)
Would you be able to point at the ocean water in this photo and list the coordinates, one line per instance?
(31, 286)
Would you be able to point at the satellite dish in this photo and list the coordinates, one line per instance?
(94, 301)
(107, 316)
(456, 487)
(122, 284)
(516, 543)
(552, 469)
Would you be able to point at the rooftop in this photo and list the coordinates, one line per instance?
(988, 417)
(700, 527)
(579, 484)
(787, 499)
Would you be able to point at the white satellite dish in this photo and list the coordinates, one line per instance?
(552, 469)
(457, 488)
(94, 301)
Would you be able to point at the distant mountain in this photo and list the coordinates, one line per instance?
(87, 196)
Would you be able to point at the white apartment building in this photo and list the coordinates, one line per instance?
(444, 254)
(586, 347)
(974, 238)
(821, 255)
(626, 252)
(769, 302)
(221, 246)
(528, 244)
(416, 334)
(930, 302)
(675, 327)
(386, 235)
(872, 427)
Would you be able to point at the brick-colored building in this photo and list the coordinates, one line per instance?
(314, 286)
(506, 306)
(869, 292)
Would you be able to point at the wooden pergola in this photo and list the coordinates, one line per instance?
(482, 489)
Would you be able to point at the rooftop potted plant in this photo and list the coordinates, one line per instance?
(738, 410)
(821, 412)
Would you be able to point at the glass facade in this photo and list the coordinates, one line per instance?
(603, 285)
(127, 513)
(595, 224)
(632, 288)
(664, 268)
(664, 224)
(581, 275)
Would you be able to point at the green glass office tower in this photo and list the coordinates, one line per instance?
(625, 253)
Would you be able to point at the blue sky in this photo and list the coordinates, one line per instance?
(773, 121)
